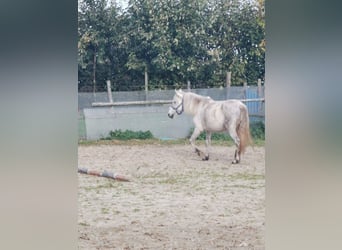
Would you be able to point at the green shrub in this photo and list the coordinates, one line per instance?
(129, 135)
(258, 130)
(214, 136)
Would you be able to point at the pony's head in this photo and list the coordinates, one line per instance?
(177, 104)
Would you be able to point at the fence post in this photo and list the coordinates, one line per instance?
(94, 76)
(260, 95)
(228, 78)
(146, 84)
(245, 89)
(189, 85)
(146, 81)
(109, 91)
(259, 88)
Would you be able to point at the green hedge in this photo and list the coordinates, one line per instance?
(129, 135)
(257, 132)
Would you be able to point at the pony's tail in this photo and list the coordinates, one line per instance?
(243, 130)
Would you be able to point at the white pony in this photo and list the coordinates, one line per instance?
(214, 116)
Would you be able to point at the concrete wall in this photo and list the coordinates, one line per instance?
(100, 121)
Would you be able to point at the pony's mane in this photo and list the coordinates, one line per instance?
(198, 96)
(194, 101)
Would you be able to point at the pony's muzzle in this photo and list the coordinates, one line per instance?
(171, 112)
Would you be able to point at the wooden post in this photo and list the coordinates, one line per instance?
(228, 79)
(228, 83)
(146, 84)
(94, 76)
(189, 85)
(245, 88)
(260, 95)
(109, 91)
(146, 80)
(259, 89)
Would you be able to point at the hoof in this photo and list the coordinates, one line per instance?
(198, 152)
(205, 158)
(235, 162)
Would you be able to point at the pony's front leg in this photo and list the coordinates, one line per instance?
(207, 144)
(193, 137)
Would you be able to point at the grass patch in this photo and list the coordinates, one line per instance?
(105, 210)
(248, 177)
(244, 186)
(258, 130)
(83, 224)
(170, 181)
(109, 184)
(259, 142)
(175, 180)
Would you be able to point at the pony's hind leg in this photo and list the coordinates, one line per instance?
(236, 156)
(193, 137)
(235, 137)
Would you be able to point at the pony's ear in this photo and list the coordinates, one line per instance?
(179, 93)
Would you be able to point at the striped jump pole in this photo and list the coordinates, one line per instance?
(104, 173)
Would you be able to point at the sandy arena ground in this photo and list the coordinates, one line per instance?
(174, 200)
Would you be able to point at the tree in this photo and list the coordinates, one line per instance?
(140, 37)
(173, 41)
(179, 29)
(235, 36)
(96, 43)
